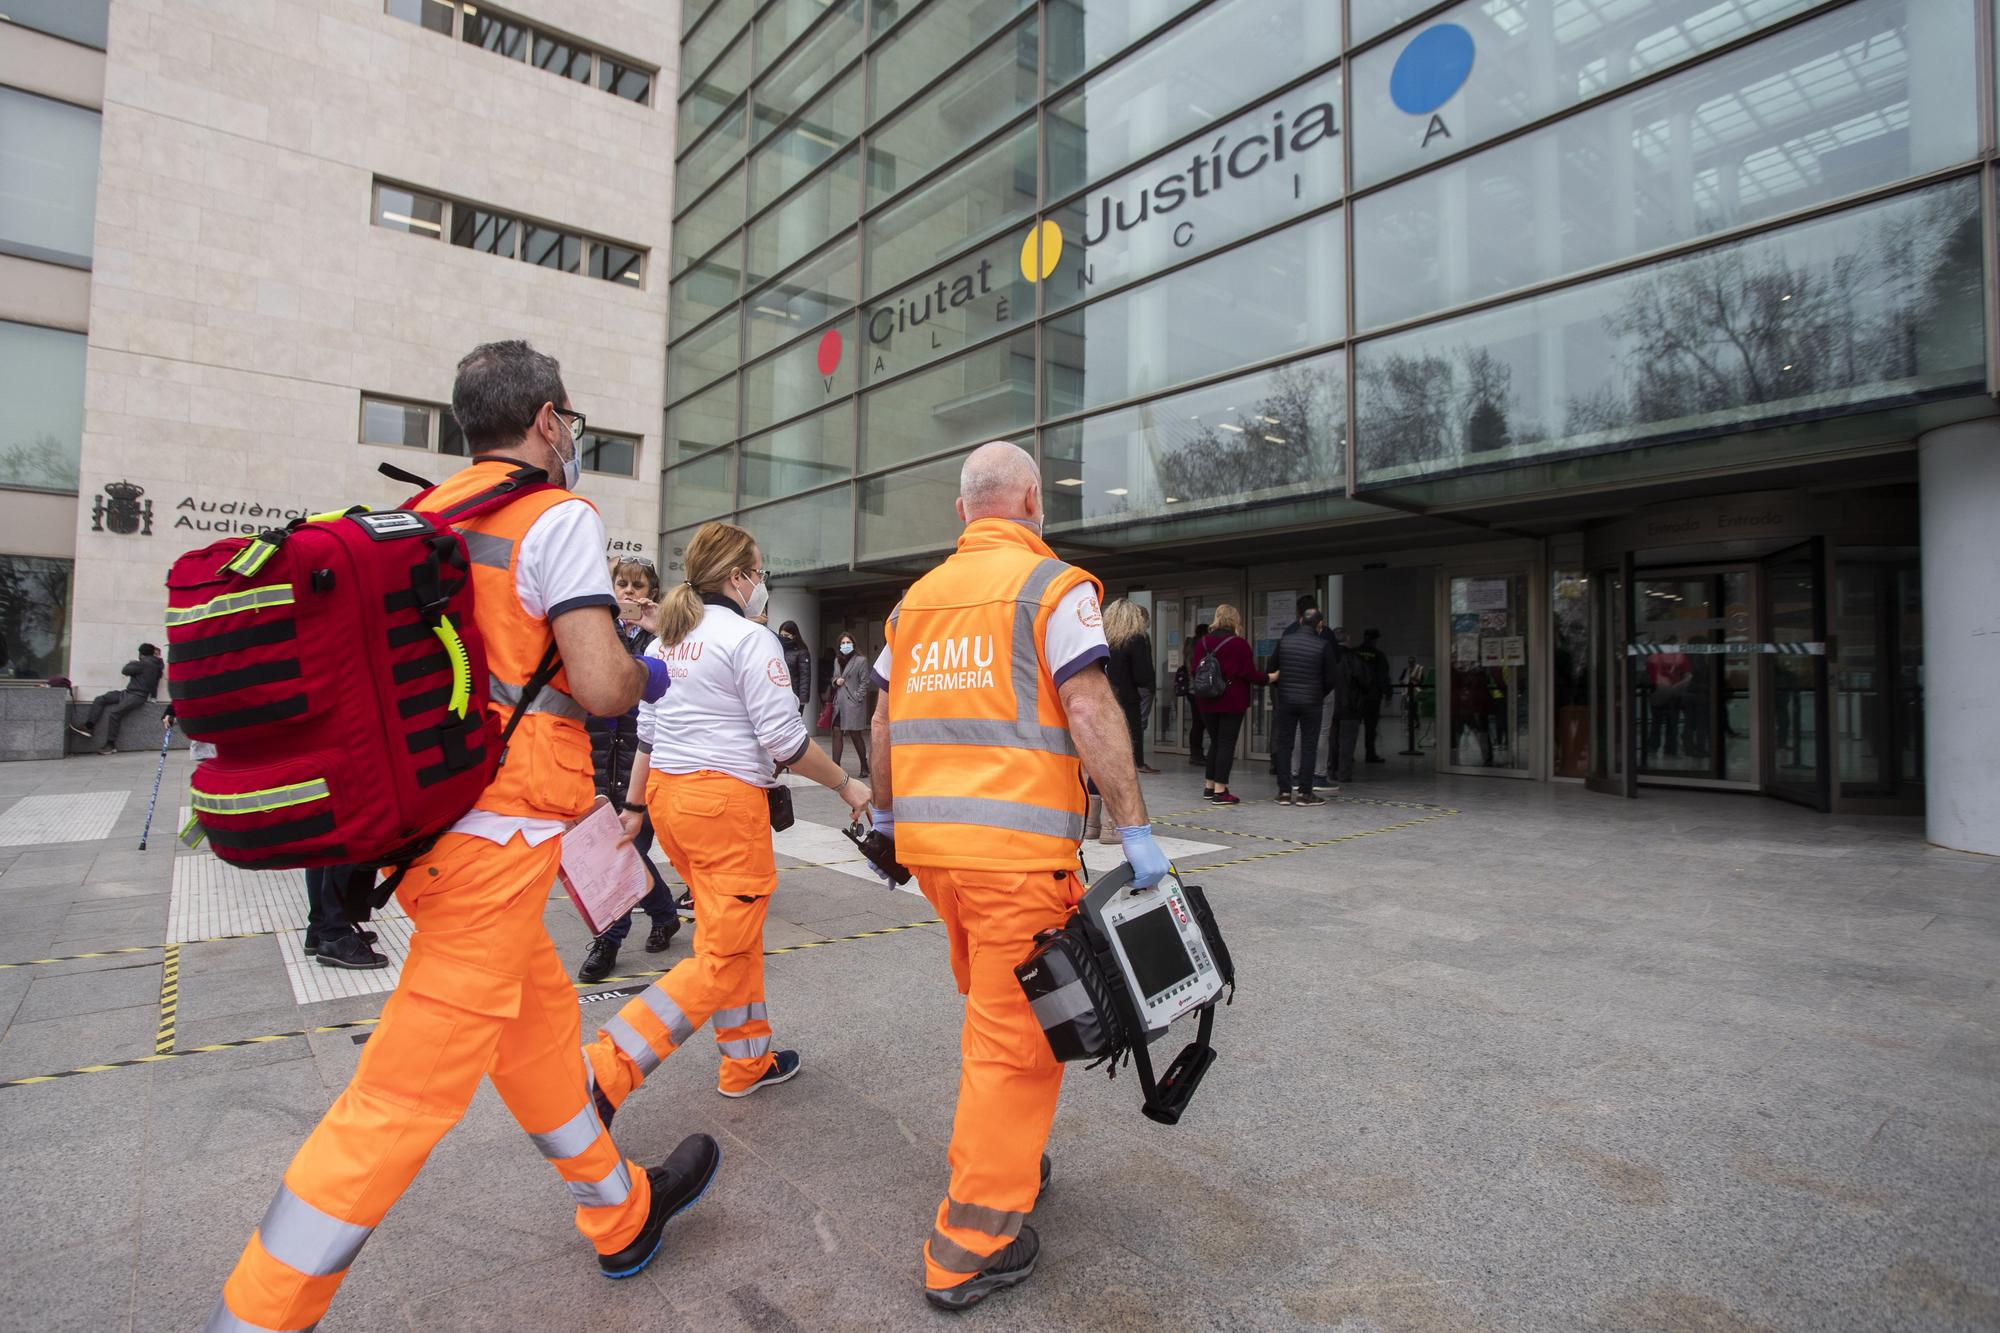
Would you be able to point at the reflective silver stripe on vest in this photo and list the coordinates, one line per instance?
(989, 813)
(303, 1238)
(609, 1192)
(745, 1048)
(669, 1013)
(980, 731)
(737, 1016)
(1061, 1005)
(489, 550)
(548, 700)
(572, 1138)
(978, 1217)
(223, 1320)
(1027, 660)
(637, 1048)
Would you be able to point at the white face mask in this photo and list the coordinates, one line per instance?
(759, 598)
(573, 465)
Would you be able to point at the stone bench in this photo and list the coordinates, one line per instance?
(137, 730)
(35, 718)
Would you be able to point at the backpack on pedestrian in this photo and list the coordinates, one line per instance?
(1208, 682)
(337, 668)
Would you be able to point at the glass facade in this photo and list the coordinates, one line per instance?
(1208, 264)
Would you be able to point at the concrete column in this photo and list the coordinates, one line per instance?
(801, 605)
(1959, 477)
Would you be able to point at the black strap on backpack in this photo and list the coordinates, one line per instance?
(365, 892)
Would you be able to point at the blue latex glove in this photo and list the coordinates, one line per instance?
(884, 823)
(1149, 863)
(657, 679)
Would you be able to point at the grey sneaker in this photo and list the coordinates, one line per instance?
(1011, 1267)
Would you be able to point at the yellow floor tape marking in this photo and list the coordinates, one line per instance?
(170, 999)
(169, 983)
(167, 1052)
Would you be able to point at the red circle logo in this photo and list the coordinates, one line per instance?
(775, 669)
(828, 356)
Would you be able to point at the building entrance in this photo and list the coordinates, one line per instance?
(1717, 676)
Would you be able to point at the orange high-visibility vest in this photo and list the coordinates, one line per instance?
(548, 773)
(986, 776)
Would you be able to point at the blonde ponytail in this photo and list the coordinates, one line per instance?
(717, 551)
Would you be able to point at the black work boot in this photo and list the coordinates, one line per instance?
(677, 1183)
(662, 934)
(1010, 1267)
(597, 964)
(349, 951)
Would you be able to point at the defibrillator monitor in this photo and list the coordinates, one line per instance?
(1158, 944)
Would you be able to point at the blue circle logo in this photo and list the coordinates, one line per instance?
(1431, 69)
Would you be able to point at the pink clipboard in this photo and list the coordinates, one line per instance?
(603, 879)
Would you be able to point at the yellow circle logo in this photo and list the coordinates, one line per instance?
(1041, 250)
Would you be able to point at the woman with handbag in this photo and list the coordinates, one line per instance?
(849, 696)
(712, 747)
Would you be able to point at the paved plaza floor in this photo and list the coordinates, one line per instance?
(1505, 1056)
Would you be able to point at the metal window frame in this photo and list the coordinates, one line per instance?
(452, 203)
(432, 414)
(596, 51)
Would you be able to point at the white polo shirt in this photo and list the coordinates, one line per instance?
(730, 708)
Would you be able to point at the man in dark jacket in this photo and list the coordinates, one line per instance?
(142, 681)
(613, 742)
(1305, 666)
(1371, 655)
(1351, 686)
(798, 662)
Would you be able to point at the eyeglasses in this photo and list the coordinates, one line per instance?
(759, 575)
(574, 420)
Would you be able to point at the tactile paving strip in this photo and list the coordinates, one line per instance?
(76, 817)
(312, 983)
(211, 898)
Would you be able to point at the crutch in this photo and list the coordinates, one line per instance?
(166, 735)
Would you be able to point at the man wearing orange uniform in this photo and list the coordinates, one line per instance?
(994, 703)
(484, 994)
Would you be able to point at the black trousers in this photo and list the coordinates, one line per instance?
(1371, 722)
(326, 915)
(1197, 724)
(1291, 722)
(1136, 727)
(1223, 729)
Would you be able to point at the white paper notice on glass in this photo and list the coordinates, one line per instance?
(602, 877)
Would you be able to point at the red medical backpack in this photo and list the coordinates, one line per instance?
(337, 668)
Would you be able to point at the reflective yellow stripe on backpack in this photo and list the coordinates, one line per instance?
(271, 798)
(271, 594)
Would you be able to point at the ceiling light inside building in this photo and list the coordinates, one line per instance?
(1069, 481)
(1224, 425)
(1275, 439)
(1117, 490)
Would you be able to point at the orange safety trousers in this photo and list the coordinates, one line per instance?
(1008, 1079)
(716, 830)
(483, 994)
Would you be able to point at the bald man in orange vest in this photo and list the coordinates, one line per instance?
(484, 994)
(994, 702)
